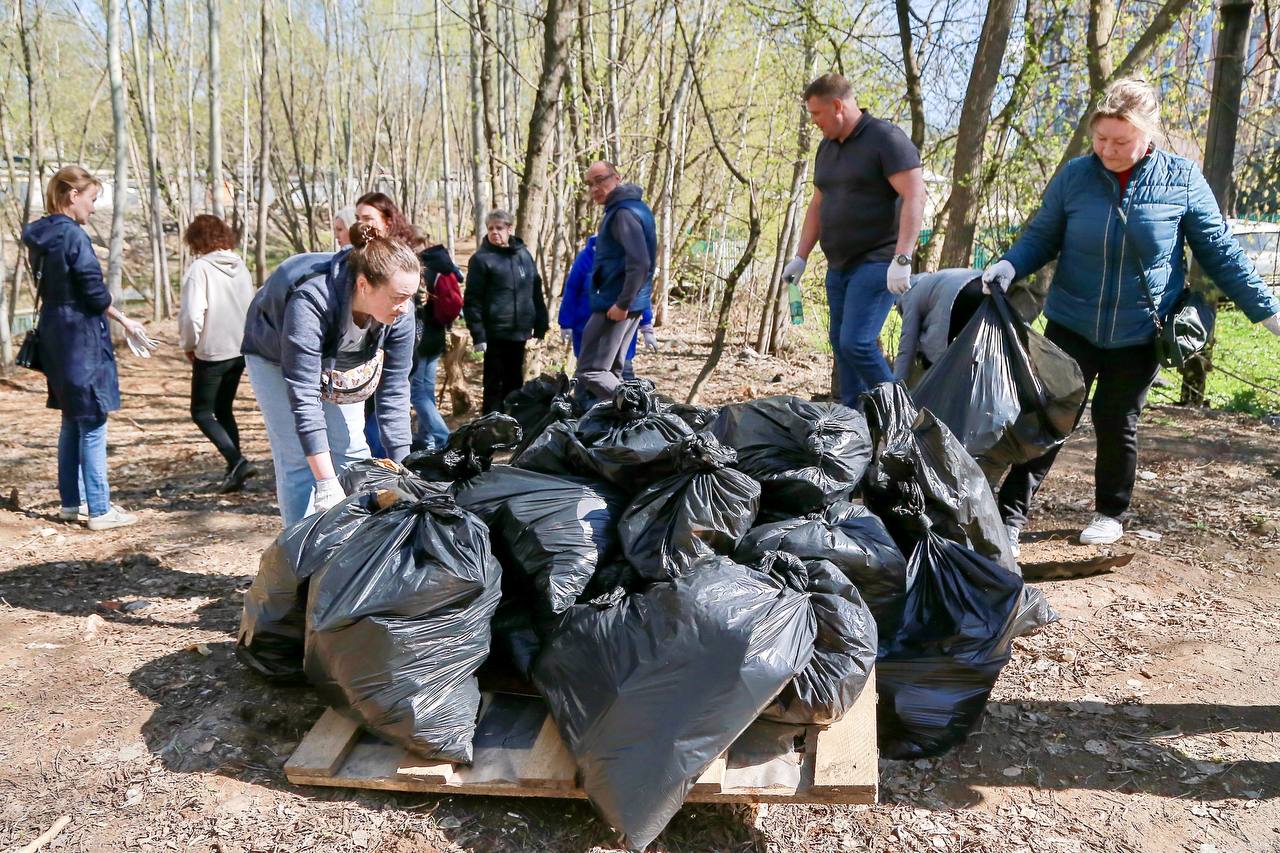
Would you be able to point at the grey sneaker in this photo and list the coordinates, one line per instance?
(71, 513)
(114, 517)
(1014, 533)
(1103, 530)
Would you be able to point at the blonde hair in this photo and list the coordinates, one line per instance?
(57, 195)
(1134, 101)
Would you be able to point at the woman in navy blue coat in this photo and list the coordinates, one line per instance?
(75, 345)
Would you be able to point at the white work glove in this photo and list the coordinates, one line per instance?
(328, 494)
(649, 338)
(899, 279)
(794, 269)
(479, 348)
(1001, 272)
(1272, 324)
(566, 336)
(135, 335)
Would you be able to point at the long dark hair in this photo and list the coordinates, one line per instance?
(398, 227)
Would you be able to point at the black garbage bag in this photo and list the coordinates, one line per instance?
(921, 477)
(697, 417)
(648, 689)
(398, 624)
(703, 510)
(371, 475)
(541, 402)
(624, 437)
(805, 455)
(935, 673)
(469, 450)
(558, 451)
(272, 624)
(852, 539)
(844, 650)
(550, 533)
(1004, 390)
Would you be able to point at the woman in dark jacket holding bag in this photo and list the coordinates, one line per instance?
(504, 307)
(439, 302)
(1098, 306)
(75, 345)
(325, 333)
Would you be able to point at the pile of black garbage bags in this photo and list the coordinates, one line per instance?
(663, 575)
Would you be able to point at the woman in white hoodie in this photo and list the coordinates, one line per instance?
(215, 298)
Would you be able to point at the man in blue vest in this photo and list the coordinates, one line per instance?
(621, 280)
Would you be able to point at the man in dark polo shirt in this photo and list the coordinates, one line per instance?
(867, 207)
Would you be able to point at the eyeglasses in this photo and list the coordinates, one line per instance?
(598, 181)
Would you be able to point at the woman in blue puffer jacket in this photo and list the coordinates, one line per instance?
(1097, 309)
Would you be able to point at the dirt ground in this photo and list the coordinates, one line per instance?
(1146, 720)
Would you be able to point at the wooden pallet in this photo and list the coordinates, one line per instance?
(518, 753)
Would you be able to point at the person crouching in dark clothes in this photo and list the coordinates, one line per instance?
(503, 306)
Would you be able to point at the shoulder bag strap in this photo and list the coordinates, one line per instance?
(1142, 272)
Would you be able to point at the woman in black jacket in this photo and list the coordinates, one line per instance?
(503, 306)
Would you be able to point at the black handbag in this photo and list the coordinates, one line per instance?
(1185, 333)
(29, 353)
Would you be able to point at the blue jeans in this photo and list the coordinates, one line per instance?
(860, 301)
(82, 458)
(295, 484)
(431, 429)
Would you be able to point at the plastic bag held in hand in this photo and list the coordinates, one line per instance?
(1001, 272)
(136, 336)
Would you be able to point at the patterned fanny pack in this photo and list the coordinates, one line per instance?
(352, 385)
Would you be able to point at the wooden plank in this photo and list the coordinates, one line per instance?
(845, 758)
(712, 779)
(519, 753)
(412, 767)
(324, 748)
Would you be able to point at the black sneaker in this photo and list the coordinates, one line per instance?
(234, 481)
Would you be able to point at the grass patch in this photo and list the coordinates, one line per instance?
(1246, 377)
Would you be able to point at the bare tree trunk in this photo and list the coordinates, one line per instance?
(772, 323)
(971, 134)
(490, 109)
(666, 215)
(479, 200)
(748, 252)
(119, 195)
(613, 142)
(159, 266)
(911, 71)
(1152, 34)
(33, 144)
(444, 135)
(6, 325)
(264, 149)
(215, 107)
(557, 23)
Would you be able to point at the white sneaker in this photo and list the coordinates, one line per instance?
(1103, 530)
(114, 517)
(71, 513)
(1013, 540)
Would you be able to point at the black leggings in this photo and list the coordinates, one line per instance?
(503, 372)
(213, 396)
(1122, 378)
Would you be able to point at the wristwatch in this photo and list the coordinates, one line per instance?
(902, 260)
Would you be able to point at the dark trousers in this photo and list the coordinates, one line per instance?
(1123, 377)
(503, 372)
(213, 395)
